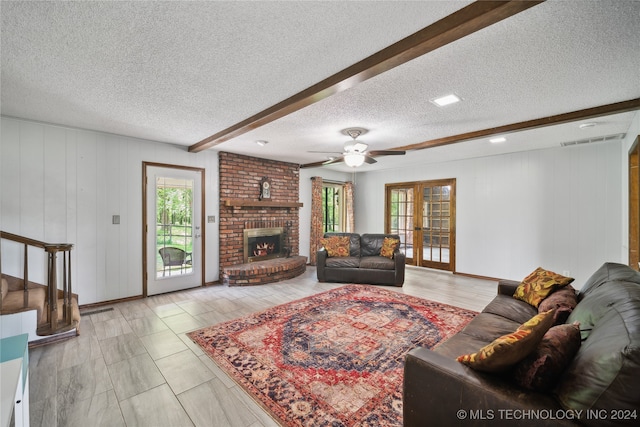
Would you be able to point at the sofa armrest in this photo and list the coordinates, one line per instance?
(321, 262)
(400, 259)
(440, 391)
(507, 287)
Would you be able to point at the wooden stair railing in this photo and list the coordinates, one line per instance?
(53, 325)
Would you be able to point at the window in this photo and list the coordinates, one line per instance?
(333, 207)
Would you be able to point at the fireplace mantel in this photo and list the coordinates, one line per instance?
(248, 203)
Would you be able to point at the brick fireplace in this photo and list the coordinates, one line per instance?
(241, 209)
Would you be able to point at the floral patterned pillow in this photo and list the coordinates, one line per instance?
(504, 352)
(539, 284)
(389, 246)
(336, 246)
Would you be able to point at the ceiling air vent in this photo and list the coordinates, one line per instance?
(615, 137)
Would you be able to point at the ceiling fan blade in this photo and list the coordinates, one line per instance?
(312, 165)
(386, 153)
(332, 161)
(369, 159)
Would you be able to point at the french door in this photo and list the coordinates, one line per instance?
(423, 214)
(173, 228)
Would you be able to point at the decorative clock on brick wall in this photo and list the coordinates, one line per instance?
(265, 188)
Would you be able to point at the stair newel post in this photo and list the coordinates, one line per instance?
(25, 276)
(52, 285)
(67, 285)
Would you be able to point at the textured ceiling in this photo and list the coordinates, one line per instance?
(179, 72)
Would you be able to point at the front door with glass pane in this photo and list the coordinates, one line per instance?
(173, 229)
(423, 214)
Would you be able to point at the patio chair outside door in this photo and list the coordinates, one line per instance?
(174, 257)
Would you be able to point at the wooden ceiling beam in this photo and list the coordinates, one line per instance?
(589, 113)
(462, 23)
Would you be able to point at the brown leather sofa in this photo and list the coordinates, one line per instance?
(364, 263)
(599, 388)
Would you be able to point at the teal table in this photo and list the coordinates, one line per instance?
(14, 380)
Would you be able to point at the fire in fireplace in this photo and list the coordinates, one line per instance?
(263, 243)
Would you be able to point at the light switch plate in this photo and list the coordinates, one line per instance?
(115, 219)
(211, 218)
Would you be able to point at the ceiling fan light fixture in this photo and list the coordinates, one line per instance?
(354, 159)
(360, 147)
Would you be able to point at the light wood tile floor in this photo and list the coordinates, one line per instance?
(134, 365)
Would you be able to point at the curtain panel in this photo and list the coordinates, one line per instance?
(350, 225)
(316, 218)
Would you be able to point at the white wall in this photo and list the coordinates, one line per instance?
(557, 208)
(561, 208)
(631, 136)
(63, 185)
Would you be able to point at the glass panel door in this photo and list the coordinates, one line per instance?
(173, 229)
(401, 218)
(423, 214)
(436, 225)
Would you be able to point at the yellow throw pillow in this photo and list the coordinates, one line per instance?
(539, 284)
(389, 245)
(336, 246)
(506, 351)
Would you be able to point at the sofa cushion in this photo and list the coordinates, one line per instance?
(389, 246)
(605, 371)
(509, 349)
(458, 344)
(377, 263)
(542, 368)
(488, 327)
(609, 271)
(539, 284)
(343, 262)
(510, 308)
(336, 246)
(563, 301)
(372, 243)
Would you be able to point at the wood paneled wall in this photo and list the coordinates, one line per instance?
(559, 208)
(63, 185)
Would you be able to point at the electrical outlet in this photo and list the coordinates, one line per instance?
(115, 219)
(211, 218)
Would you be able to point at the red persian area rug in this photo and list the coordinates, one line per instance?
(332, 359)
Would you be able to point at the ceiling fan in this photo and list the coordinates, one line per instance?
(355, 152)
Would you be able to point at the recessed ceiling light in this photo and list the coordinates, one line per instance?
(262, 143)
(587, 125)
(497, 139)
(446, 100)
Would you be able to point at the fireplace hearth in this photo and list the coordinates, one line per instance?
(263, 243)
